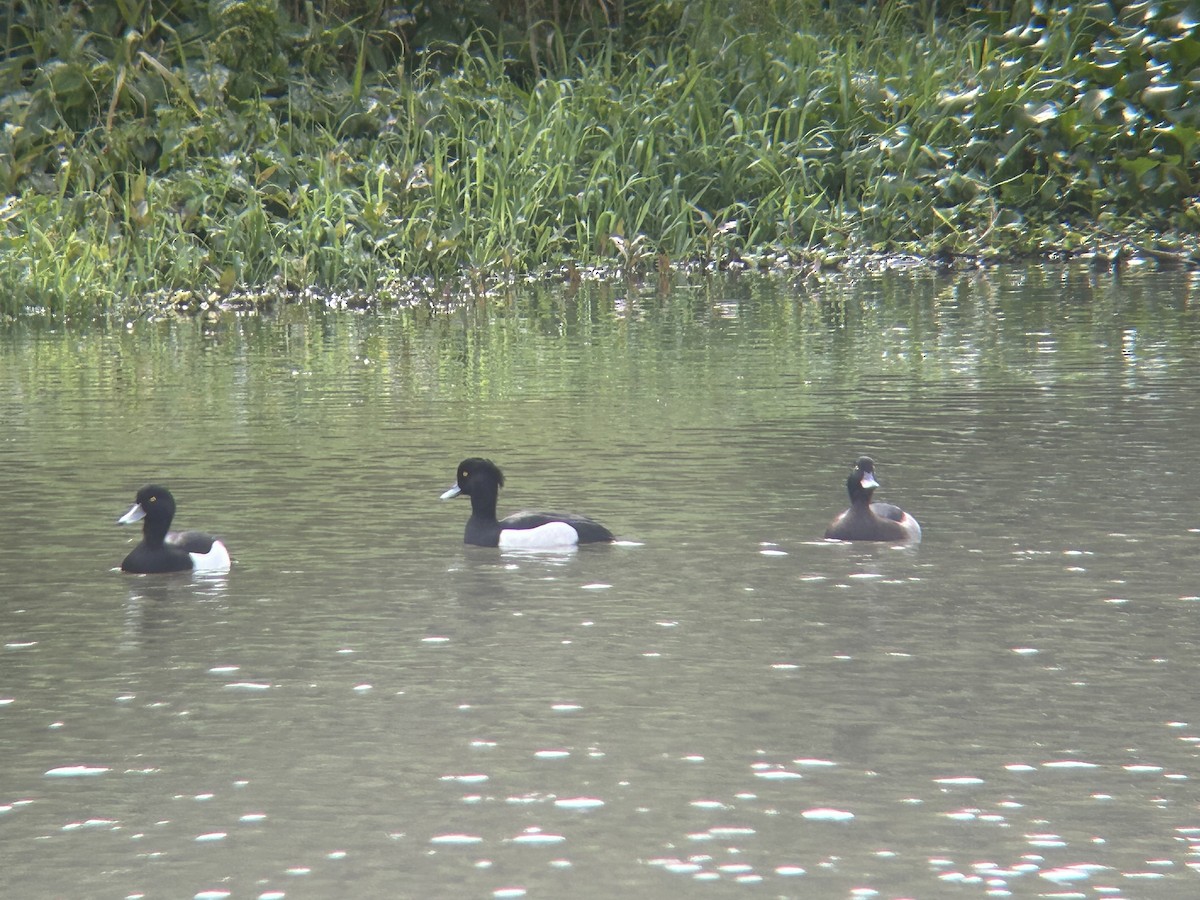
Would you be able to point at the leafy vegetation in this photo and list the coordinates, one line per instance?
(184, 151)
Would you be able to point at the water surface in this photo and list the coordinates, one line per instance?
(725, 704)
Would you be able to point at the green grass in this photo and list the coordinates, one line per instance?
(813, 135)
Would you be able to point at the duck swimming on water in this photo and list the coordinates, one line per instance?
(162, 550)
(867, 521)
(481, 480)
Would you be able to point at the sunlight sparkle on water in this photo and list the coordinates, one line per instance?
(76, 771)
(1069, 764)
(535, 836)
(578, 803)
(456, 839)
(777, 774)
(1068, 874)
(826, 814)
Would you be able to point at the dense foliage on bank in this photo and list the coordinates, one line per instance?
(209, 146)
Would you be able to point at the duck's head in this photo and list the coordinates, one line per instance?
(153, 501)
(862, 479)
(476, 475)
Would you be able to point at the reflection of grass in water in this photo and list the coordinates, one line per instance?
(705, 338)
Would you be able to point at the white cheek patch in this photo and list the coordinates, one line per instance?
(215, 560)
(550, 536)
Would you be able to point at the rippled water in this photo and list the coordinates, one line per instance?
(727, 704)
